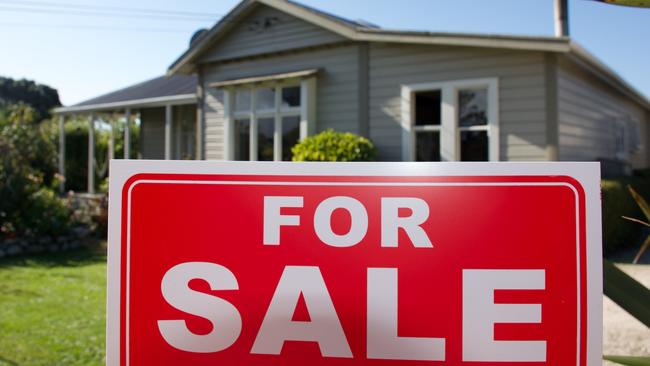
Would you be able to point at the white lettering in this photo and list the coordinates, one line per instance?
(225, 319)
(323, 218)
(383, 341)
(273, 219)
(391, 221)
(480, 313)
(324, 326)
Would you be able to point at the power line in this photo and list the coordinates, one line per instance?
(102, 14)
(110, 8)
(94, 27)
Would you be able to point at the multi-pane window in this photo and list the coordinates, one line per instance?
(451, 121)
(266, 122)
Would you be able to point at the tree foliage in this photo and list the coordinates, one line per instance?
(28, 204)
(40, 97)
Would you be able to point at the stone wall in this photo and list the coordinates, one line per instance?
(76, 238)
(90, 217)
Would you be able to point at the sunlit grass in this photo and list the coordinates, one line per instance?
(52, 309)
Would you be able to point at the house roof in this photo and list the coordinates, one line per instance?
(175, 89)
(361, 31)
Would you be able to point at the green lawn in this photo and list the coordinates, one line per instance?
(52, 309)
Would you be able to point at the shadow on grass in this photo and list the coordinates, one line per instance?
(90, 254)
(4, 361)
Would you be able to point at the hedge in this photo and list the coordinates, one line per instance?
(619, 233)
(332, 145)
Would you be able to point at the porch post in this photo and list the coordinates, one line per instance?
(62, 152)
(111, 140)
(91, 154)
(168, 132)
(127, 133)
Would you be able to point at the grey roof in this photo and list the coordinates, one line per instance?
(161, 86)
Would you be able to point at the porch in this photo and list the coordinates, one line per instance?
(165, 109)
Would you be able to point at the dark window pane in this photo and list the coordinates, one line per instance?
(242, 139)
(266, 98)
(472, 108)
(290, 135)
(291, 96)
(473, 146)
(265, 128)
(428, 146)
(427, 108)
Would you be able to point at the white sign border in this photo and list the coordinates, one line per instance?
(586, 174)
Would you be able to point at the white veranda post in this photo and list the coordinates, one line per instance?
(168, 132)
(127, 133)
(91, 154)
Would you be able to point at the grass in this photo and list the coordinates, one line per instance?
(52, 309)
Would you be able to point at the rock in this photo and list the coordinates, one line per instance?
(81, 231)
(37, 248)
(53, 248)
(44, 240)
(14, 250)
(2, 253)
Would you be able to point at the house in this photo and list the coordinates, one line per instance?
(274, 71)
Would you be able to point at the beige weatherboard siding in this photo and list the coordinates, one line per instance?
(152, 129)
(336, 88)
(268, 30)
(521, 90)
(588, 113)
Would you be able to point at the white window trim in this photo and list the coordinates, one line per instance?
(306, 111)
(449, 130)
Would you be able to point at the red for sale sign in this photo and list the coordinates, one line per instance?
(354, 264)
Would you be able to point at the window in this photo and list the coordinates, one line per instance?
(451, 121)
(627, 141)
(264, 121)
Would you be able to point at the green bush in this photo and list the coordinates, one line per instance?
(617, 232)
(28, 204)
(45, 213)
(331, 145)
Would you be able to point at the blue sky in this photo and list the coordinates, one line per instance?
(85, 55)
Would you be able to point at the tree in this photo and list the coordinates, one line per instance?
(40, 97)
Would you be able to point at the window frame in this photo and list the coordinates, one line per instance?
(449, 125)
(305, 111)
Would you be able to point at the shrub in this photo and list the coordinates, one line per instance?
(28, 204)
(617, 232)
(45, 213)
(331, 145)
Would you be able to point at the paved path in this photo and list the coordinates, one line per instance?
(623, 334)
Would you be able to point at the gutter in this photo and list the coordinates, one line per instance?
(145, 102)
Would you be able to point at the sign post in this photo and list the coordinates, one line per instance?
(354, 264)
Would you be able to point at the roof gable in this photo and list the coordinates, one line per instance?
(264, 30)
(184, 64)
